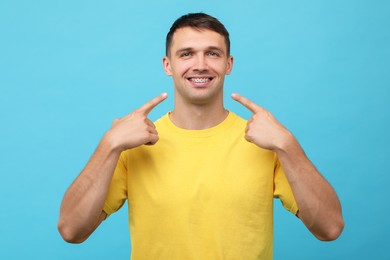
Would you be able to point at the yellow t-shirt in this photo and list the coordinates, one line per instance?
(200, 194)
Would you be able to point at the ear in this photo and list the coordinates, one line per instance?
(167, 66)
(229, 66)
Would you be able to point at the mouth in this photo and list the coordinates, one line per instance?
(200, 81)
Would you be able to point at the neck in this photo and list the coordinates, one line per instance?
(198, 117)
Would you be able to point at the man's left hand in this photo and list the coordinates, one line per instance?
(263, 129)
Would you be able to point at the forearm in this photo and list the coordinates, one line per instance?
(81, 209)
(319, 206)
(82, 204)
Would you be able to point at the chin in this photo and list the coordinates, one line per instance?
(203, 99)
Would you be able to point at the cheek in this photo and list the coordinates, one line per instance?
(219, 67)
(181, 68)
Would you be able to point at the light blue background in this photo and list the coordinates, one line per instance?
(68, 68)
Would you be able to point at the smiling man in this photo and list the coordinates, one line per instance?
(198, 61)
(200, 181)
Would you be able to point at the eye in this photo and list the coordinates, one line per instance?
(185, 54)
(213, 53)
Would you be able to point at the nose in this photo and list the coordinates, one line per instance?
(200, 63)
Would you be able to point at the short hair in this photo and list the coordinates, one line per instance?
(198, 21)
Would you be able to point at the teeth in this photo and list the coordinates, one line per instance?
(200, 80)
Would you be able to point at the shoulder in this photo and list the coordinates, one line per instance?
(237, 121)
(163, 120)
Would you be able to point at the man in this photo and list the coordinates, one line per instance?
(200, 181)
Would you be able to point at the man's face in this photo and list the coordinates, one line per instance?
(198, 62)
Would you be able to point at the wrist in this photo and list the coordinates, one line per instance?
(287, 143)
(110, 143)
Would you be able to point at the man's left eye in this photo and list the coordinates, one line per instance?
(213, 53)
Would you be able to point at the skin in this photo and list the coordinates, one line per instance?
(319, 207)
(198, 54)
(198, 62)
(81, 208)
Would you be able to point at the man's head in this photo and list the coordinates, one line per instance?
(198, 21)
(198, 59)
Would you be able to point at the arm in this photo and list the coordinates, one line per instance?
(81, 209)
(319, 207)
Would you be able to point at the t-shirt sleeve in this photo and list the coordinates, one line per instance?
(282, 189)
(117, 193)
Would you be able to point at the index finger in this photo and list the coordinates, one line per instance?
(246, 103)
(145, 109)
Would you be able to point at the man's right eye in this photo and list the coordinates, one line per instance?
(185, 54)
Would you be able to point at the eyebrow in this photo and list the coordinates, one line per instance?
(210, 48)
(184, 49)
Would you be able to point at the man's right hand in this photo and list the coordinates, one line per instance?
(135, 129)
(81, 208)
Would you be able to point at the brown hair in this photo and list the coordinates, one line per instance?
(197, 21)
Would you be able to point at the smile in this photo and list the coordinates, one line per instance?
(200, 80)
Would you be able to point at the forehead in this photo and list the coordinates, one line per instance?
(188, 37)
